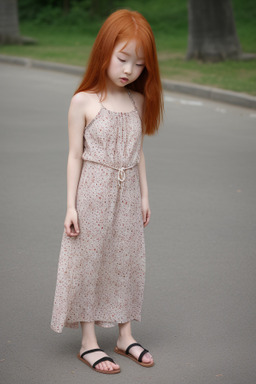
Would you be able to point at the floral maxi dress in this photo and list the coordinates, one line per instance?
(101, 272)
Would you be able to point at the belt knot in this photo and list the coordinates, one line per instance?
(121, 176)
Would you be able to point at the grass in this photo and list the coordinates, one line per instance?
(231, 75)
(71, 44)
(54, 44)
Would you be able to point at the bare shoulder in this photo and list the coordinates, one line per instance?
(82, 100)
(85, 104)
(139, 100)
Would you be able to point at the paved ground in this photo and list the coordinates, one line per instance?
(199, 310)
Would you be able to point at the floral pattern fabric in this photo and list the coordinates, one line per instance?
(101, 272)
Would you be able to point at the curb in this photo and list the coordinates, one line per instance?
(26, 62)
(214, 94)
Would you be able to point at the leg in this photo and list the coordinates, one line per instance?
(89, 341)
(125, 339)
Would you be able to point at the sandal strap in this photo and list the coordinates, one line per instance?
(142, 354)
(132, 345)
(90, 351)
(106, 358)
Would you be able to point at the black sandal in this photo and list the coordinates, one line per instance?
(105, 358)
(127, 354)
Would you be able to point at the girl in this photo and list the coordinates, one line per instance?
(102, 258)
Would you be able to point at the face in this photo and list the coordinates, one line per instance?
(126, 64)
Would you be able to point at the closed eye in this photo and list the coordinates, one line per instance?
(140, 65)
(123, 61)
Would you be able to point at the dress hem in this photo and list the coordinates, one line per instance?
(100, 323)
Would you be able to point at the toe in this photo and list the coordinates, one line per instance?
(105, 366)
(113, 366)
(100, 366)
(147, 358)
(109, 366)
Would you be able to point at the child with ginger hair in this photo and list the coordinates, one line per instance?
(101, 271)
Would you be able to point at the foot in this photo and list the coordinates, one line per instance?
(92, 357)
(124, 341)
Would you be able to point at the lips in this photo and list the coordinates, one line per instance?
(124, 79)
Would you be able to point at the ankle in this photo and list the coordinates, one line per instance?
(125, 330)
(89, 339)
(89, 344)
(124, 335)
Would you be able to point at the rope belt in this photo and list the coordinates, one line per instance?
(121, 171)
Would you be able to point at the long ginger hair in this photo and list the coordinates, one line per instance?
(125, 25)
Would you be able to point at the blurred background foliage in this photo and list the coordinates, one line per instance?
(66, 29)
(168, 18)
(163, 15)
(46, 10)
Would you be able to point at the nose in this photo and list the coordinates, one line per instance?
(128, 69)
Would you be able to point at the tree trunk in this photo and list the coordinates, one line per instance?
(212, 32)
(66, 6)
(9, 22)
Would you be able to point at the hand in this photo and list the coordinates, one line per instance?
(146, 213)
(71, 223)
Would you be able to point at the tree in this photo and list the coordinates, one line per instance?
(101, 7)
(212, 31)
(9, 22)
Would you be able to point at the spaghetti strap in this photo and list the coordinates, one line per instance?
(132, 99)
(130, 96)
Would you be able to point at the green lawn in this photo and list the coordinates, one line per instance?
(71, 44)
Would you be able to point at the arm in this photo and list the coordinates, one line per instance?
(144, 188)
(76, 123)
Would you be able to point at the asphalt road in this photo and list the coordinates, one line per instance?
(199, 310)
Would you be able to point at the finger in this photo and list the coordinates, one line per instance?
(73, 231)
(147, 220)
(70, 232)
(67, 230)
(76, 227)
